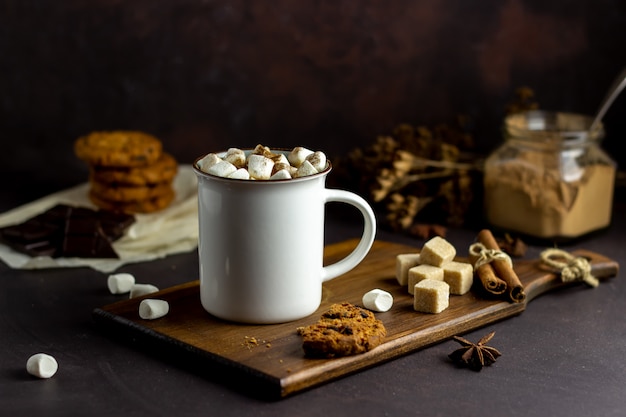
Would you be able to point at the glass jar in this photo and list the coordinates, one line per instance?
(549, 179)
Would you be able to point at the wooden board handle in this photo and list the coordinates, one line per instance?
(601, 268)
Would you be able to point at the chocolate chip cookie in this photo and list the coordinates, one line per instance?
(163, 170)
(125, 194)
(149, 205)
(118, 148)
(345, 329)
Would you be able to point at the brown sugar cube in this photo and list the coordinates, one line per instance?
(459, 276)
(421, 272)
(431, 296)
(437, 251)
(404, 262)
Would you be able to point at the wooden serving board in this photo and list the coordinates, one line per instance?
(275, 366)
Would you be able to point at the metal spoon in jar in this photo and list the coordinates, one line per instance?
(616, 88)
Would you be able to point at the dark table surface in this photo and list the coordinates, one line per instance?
(563, 356)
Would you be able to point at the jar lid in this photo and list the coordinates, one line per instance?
(547, 126)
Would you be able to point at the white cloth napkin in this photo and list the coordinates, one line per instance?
(155, 235)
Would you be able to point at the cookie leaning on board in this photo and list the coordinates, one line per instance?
(432, 275)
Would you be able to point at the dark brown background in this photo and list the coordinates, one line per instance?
(331, 75)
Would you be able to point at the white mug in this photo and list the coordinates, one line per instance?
(261, 245)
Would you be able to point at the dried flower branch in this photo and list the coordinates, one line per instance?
(419, 174)
(416, 169)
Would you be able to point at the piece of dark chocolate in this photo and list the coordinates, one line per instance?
(35, 248)
(29, 231)
(84, 237)
(66, 231)
(115, 224)
(87, 246)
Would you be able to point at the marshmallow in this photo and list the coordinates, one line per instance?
(222, 169)
(150, 308)
(240, 174)
(137, 290)
(208, 161)
(281, 165)
(42, 365)
(260, 167)
(262, 150)
(280, 158)
(283, 174)
(261, 163)
(298, 155)
(318, 160)
(305, 169)
(377, 300)
(120, 283)
(235, 156)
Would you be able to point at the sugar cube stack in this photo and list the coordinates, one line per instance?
(432, 275)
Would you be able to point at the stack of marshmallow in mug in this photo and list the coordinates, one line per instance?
(263, 164)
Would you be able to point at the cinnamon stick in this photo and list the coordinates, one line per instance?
(488, 279)
(503, 270)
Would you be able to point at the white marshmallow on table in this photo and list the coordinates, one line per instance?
(42, 365)
(208, 161)
(283, 174)
(260, 167)
(137, 290)
(235, 156)
(318, 160)
(151, 308)
(240, 174)
(377, 300)
(298, 155)
(120, 283)
(222, 169)
(305, 169)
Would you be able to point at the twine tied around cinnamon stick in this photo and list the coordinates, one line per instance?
(572, 268)
(494, 267)
(483, 255)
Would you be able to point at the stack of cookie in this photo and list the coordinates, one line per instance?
(129, 171)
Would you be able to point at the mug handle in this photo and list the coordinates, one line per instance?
(367, 239)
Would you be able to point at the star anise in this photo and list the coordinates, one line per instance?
(475, 355)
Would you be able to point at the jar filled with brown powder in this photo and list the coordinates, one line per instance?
(549, 179)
